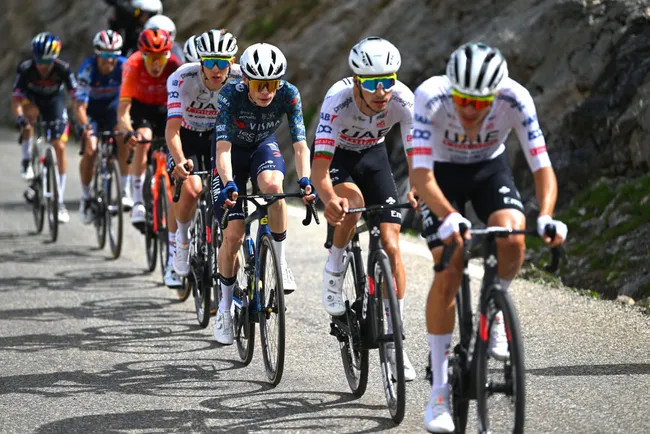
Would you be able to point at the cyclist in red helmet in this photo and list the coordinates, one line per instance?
(142, 110)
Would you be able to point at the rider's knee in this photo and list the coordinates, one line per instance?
(512, 244)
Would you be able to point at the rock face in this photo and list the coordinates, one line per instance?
(585, 62)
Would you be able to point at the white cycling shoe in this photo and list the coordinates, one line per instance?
(223, 332)
(181, 260)
(138, 214)
(63, 215)
(498, 346)
(288, 282)
(332, 293)
(171, 278)
(437, 415)
(409, 370)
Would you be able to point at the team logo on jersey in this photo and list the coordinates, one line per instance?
(381, 124)
(239, 124)
(504, 190)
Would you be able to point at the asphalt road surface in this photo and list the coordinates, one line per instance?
(90, 344)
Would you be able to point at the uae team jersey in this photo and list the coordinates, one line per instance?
(243, 123)
(343, 125)
(188, 98)
(439, 136)
(137, 84)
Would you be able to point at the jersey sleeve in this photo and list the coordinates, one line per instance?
(174, 100)
(19, 83)
(129, 81)
(531, 138)
(327, 131)
(294, 114)
(406, 121)
(421, 151)
(70, 80)
(225, 121)
(83, 86)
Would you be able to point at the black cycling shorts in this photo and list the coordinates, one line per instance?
(370, 171)
(197, 147)
(51, 109)
(488, 185)
(149, 116)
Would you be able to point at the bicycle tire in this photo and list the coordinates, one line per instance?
(163, 232)
(38, 204)
(353, 355)
(512, 371)
(394, 388)
(52, 196)
(113, 208)
(214, 242)
(244, 327)
(198, 264)
(150, 238)
(99, 203)
(272, 312)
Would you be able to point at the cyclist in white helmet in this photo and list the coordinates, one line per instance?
(189, 50)
(461, 122)
(191, 112)
(246, 148)
(351, 166)
(164, 22)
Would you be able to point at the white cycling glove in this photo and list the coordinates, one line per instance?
(451, 224)
(560, 228)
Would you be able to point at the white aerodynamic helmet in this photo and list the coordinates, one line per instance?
(374, 56)
(189, 50)
(263, 62)
(216, 43)
(153, 7)
(162, 22)
(476, 69)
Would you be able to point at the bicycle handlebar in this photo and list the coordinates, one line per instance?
(368, 209)
(501, 232)
(179, 183)
(272, 197)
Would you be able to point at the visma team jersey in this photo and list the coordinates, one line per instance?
(189, 99)
(96, 89)
(242, 123)
(439, 136)
(343, 125)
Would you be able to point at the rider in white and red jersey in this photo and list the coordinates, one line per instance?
(351, 166)
(192, 92)
(462, 120)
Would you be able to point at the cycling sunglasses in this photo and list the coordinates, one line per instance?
(108, 54)
(271, 85)
(463, 100)
(221, 62)
(159, 58)
(372, 83)
(44, 61)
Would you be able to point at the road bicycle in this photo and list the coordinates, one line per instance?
(367, 323)
(203, 250)
(259, 293)
(106, 194)
(156, 193)
(43, 193)
(497, 386)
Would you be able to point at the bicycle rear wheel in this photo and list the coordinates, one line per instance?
(113, 196)
(272, 326)
(353, 355)
(242, 322)
(391, 354)
(98, 207)
(198, 264)
(501, 393)
(163, 233)
(51, 191)
(150, 238)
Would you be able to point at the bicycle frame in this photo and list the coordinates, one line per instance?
(159, 160)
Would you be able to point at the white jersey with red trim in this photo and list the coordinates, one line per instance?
(190, 99)
(439, 136)
(343, 125)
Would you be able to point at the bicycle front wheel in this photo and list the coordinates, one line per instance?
(272, 326)
(198, 263)
(113, 209)
(38, 205)
(353, 355)
(242, 322)
(150, 238)
(391, 354)
(163, 233)
(501, 393)
(98, 206)
(51, 190)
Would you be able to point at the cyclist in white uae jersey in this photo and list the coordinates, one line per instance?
(351, 166)
(461, 122)
(191, 114)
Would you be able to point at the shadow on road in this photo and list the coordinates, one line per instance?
(596, 370)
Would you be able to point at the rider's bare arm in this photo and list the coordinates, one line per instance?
(173, 138)
(81, 112)
(429, 191)
(224, 163)
(124, 115)
(546, 190)
(301, 151)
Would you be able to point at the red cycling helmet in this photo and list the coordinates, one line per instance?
(154, 41)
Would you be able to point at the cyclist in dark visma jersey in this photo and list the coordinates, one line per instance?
(249, 114)
(38, 90)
